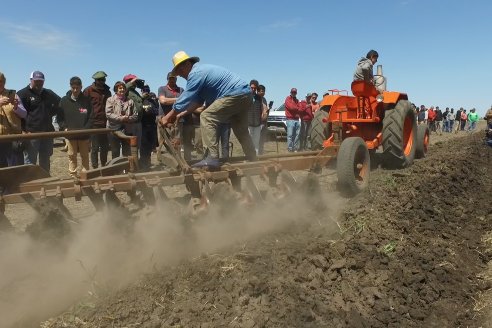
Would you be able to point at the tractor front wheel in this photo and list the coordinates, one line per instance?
(353, 166)
(423, 139)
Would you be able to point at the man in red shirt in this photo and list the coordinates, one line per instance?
(293, 125)
(431, 119)
(306, 115)
(168, 94)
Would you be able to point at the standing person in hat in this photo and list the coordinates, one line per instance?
(149, 128)
(293, 125)
(167, 95)
(228, 99)
(75, 114)
(41, 105)
(133, 82)
(99, 93)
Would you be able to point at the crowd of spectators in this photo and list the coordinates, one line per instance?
(447, 121)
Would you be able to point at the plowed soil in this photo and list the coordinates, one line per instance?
(411, 251)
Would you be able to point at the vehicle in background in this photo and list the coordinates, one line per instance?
(277, 122)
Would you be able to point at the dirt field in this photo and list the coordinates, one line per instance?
(412, 251)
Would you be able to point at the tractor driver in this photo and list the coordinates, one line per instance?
(363, 71)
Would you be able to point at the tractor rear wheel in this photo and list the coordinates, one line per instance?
(319, 130)
(399, 136)
(353, 166)
(423, 139)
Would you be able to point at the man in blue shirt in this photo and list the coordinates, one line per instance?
(227, 97)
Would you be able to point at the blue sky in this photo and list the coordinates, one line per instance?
(438, 52)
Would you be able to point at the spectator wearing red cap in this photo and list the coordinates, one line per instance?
(41, 105)
(293, 125)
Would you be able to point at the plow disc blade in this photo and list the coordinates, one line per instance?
(53, 220)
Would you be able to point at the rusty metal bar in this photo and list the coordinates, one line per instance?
(54, 134)
(70, 188)
(105, 170)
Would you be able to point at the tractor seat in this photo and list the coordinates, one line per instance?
(364, 89)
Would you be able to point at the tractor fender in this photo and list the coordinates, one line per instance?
(392, 97)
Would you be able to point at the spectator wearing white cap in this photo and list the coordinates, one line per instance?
(41, 105)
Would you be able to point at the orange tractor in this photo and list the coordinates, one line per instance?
(364, 122)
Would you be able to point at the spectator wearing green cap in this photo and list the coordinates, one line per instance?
(99, 92)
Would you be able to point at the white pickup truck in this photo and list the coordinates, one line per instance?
(276, 121)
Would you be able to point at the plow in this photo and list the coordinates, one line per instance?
(347, 130)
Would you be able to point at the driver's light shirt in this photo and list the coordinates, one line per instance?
(207, 83)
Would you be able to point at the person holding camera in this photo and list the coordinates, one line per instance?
(149, 128)
(11, 113)
(133, 82)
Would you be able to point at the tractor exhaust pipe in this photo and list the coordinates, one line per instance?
(379, 79)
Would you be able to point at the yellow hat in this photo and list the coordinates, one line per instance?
(180, 57)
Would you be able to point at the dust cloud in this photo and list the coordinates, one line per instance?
(40, 279)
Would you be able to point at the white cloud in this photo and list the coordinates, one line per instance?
(39, 37)
(282, 25)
